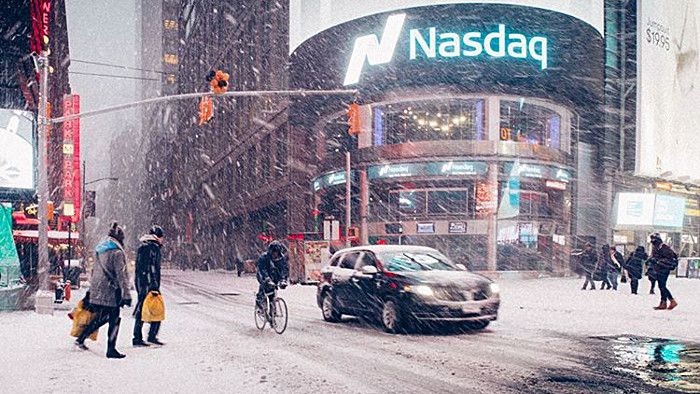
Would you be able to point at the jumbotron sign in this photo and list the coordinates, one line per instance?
(431, 43)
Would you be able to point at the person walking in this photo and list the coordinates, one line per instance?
(615, 261)
(109, 290)
(664, 260)
(601, 271)
(147, 280)
(651, 275)
(634, 267)
(587, 265)
(239, 266)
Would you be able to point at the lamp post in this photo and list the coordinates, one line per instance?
(44, 298)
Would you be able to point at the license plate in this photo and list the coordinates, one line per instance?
(471, 309)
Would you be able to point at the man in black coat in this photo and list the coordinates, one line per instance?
(664, 260)
(147, 278)
(634, 266)
(272, 269)
(588, 261)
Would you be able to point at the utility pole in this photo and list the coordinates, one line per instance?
(44, 298)
(348, 199)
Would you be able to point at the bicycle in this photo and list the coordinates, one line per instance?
(275, 312)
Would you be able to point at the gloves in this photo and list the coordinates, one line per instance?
(283, 284)
(125, 302)
(269, 282)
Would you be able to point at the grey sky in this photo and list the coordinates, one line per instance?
(103, 31)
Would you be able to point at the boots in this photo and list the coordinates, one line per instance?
(661, 306)
(112, 335)
(673, 304)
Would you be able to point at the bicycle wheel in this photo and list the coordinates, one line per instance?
(280, 316)
(261, 316)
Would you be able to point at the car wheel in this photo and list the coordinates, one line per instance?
(478, 325)
(390, 317)
(330, 313)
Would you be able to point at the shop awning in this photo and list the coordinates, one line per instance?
(55, 237)
(21, 219)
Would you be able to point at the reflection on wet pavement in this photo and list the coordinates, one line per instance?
(665, 363)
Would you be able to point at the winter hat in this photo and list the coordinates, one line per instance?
(157, 231)
(117, 233)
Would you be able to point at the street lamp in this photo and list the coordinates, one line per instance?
(109, 178)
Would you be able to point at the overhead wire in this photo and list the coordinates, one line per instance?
(113, 76)
(116, 66)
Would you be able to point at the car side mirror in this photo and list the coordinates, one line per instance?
(369, 270)
(461, 267)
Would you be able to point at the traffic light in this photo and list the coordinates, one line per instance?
(218, 81)
(206, 110)
(49, 211)
(353, 113)
(90, 203)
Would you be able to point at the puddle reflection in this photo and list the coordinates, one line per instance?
(666, 363)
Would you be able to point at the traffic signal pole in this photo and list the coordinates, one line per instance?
(44, 298)
(185, 96)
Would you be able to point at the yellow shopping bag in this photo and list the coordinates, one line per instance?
(153, 308)
(81, 318)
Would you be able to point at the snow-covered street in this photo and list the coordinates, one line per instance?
(543, 334)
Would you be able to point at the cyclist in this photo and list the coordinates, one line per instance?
(272, 270)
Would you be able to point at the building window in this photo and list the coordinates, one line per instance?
(430, 120)
(252, 162)
(530, 123)
(442, 202)
(281, 151)
(265, 151)
(612, 36)
(430, 202)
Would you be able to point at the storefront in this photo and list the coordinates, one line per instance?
(469, 129)
(660, 207)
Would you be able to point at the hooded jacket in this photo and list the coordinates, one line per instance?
(665, 258)
(634, 264)
(109, 274)
(148, 256)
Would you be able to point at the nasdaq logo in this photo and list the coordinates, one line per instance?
(431, 43)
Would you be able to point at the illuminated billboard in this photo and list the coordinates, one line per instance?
(649, 210)
(310, 17)
(668, 89)
(17, 150)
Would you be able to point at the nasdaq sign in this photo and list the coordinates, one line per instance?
(433, 43)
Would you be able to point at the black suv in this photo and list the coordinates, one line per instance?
(405, 285)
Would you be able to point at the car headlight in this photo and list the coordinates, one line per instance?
(494, 288)
(422, 290)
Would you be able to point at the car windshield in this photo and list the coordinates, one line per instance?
(416, 261)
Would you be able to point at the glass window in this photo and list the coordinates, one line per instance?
(265, 158)
(446, 119)
(534, 124)
(416, 261)
(411, 202)
(349, 260)
(447, 201)
(366, 259)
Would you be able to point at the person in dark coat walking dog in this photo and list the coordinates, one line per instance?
(109, 290)
(587, 263)
(664, 260)
(147, 278)
(634, 266)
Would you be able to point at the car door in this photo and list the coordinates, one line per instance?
(342, 286)
(365, 287)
